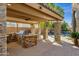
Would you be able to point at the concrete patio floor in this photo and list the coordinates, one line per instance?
(45, 48)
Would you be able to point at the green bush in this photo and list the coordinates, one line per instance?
(75, 35)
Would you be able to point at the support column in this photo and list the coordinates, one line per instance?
(39, 31)
(57, 31)
(3, 37)
(45, 35)
(32, 29)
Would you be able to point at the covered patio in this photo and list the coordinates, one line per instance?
(43, 44)
(34, 14)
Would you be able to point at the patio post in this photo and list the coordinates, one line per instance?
(39, 30)
(45, 35)
(57, 32)
(32, 29)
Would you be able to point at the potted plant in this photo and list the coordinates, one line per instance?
(75, 35)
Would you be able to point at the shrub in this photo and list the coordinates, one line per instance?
(75, 35)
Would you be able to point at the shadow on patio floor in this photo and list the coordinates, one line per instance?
(45, 48)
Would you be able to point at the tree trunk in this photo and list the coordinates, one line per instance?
(74, 22)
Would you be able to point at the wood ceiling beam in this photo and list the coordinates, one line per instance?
(17, 20)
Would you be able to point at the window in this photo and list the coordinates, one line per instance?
(14, 24)
(24, 25)
(11, 24)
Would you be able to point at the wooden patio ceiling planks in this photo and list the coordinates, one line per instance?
(23, 11)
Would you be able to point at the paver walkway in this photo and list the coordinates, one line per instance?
(45, 48)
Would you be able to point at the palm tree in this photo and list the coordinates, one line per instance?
(56, 8)
(45, 25)
(42, 25)
(64, 26)
(74, 22)
(51, 5)
(74, 28)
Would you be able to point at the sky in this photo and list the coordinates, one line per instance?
(67, 11)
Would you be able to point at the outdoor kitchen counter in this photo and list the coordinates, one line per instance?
(31, 35)
(29, 40)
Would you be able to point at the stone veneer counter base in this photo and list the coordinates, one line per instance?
(29, 41)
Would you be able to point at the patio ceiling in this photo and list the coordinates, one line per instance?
(27, 17)
(29, 12)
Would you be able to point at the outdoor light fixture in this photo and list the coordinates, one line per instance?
(27, 18)
(9, 4)
(40, 7)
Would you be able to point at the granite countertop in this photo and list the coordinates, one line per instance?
(30, 35)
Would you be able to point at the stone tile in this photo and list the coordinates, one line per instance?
(3, 42)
